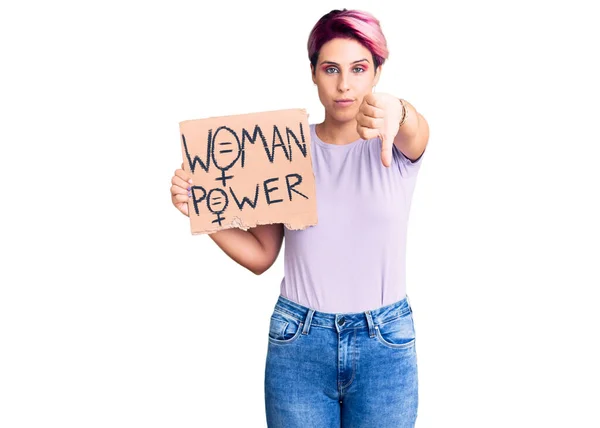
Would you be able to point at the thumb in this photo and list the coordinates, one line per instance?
(386, 151)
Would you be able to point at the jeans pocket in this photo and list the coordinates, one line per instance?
(284, 328)
(398, 333)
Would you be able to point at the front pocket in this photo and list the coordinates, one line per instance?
(399, 333)
(284, 328)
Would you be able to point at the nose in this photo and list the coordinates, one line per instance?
(343, 83)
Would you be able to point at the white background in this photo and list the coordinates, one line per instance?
(113, 315)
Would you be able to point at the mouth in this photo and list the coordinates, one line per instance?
(344, 102)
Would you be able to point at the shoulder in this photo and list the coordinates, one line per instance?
(407, 167)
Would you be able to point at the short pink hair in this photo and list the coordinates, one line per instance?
(349, 24)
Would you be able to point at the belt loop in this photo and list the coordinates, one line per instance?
(370, 323)
(308, 321)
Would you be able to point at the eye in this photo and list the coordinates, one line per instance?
(330, 68)
(361, 70)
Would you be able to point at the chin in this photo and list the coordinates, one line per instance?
(342, 116)
(346, 117)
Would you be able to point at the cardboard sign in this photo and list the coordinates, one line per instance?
(249, 170)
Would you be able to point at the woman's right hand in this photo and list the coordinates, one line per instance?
(256, 248)
(180, 193)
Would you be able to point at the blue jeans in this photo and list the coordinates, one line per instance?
(351, 370)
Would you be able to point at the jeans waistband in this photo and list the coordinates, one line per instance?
(341, 321)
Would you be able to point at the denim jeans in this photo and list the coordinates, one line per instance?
(349, 370)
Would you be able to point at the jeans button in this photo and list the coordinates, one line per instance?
(341, 321)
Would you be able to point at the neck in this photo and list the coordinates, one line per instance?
(335, 132)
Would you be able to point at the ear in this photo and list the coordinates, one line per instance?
(377, 75)
(312, 73)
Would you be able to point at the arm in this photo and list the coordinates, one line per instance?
(413, 135)
(255, 249)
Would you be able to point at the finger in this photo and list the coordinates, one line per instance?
(368, 99)
(386, 152)
(367, 133)
(179, 182)
(176, 190)
(183, 208)
(179, 198)
(183, 175)
(372, 111)
(369, 122)
(374, 101)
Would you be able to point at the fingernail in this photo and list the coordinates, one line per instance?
(190, 181)
(190, 194)
(189, 188)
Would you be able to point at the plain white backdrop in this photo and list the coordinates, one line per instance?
(113, 315)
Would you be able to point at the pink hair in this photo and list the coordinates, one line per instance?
(349, 24)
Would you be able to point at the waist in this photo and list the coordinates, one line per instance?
(379, 315)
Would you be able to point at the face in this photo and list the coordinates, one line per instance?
(344, 70)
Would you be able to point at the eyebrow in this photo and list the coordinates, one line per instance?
(335, 63)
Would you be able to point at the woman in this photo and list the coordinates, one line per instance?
(341, 337)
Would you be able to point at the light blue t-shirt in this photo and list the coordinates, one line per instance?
(354, 259)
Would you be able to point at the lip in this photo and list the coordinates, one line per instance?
(344, 102)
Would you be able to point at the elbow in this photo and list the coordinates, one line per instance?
(260, 268)
(258, 271)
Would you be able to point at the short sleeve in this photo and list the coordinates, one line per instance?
(407, 166)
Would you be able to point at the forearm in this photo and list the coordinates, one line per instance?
(409, 128)
(242, 247)
(413, 135)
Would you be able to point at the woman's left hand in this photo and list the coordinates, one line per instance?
(379, 115)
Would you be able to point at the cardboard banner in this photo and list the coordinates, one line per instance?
(249, 170)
